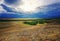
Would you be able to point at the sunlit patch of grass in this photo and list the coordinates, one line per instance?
(37, 21)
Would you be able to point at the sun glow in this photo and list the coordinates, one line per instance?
(29, 5)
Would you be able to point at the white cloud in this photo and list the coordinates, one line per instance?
(1, 1)
(30, 5)
(47, 2)
(42, 3)
(2, 10)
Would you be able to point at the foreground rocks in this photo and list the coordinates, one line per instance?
(38, 33)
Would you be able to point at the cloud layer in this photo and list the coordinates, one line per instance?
(42, 3)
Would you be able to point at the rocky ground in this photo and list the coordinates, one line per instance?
(40, 32)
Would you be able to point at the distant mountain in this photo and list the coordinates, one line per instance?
(49, 11)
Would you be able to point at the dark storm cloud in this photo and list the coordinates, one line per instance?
(11, 1)
(47, 12)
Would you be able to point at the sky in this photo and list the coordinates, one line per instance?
(24, 4)
(30, 8)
